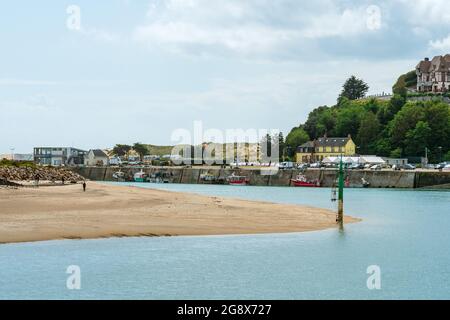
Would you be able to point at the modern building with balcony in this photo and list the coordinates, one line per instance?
(58, 156)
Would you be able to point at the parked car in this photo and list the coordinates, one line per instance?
(397, 167)
(376, 167)
(441, 165)
(286, 165)
(356, 166)
(315, 165)
(409, 167)
(446, 168)
(302, 166)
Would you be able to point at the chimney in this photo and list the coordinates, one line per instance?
(349, 136)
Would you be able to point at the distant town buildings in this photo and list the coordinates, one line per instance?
(317, 150)
(434, 75)
(17, 156)
(58, 156)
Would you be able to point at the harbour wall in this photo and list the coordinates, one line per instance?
(261, 177)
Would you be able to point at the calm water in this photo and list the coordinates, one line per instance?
(406, 233)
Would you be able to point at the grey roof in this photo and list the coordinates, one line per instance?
(99, 153)
(326, 142)
(309, 144)
(332, 142)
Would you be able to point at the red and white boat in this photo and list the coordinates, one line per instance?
(302, 181)
(238, 180)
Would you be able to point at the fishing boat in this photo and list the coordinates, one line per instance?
(208, 177)
(235, 180)
(302, 181)
(140, 176)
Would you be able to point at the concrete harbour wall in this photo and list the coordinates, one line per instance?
(260, 177)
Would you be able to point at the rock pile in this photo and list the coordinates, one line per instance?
(44, 173)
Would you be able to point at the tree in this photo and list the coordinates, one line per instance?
(141, 149)
(447, 156)
(319, 122)
(396, 153)
(368, 132)
(353, 89)
(295, 138)
(281, 144)
(438, 118)
(121, 149)
(348, 120)
(405, 120)
(417, 139)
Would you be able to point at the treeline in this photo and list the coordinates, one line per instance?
(395, 128)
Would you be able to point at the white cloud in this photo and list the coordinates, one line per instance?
(250, 28)
(441, 45)
(426, 12)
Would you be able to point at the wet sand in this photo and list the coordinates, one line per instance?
(66, 212)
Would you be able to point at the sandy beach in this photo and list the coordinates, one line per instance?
(66, 212)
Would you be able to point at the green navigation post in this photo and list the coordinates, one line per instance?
(340, 216)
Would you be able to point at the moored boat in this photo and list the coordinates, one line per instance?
(302, 181)
(235, 180)
(140, 176)
(119, 175)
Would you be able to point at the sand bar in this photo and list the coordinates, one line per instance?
(66, 212)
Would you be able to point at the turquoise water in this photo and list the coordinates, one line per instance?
(404, 232)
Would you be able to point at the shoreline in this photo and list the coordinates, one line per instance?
(106, 211)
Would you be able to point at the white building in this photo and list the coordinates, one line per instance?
(58, 156)
(355, 160)
(96, 157)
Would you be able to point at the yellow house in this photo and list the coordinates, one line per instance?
(317, 150)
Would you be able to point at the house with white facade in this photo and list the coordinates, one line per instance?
(58, 156)
(96, 157)
(434, 75)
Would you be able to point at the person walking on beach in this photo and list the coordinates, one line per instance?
(62, 180)
(84, 186)
(36, 180)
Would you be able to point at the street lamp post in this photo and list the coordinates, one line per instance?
(440, 154)
(12, 153)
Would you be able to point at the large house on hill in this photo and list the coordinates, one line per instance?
(317, 150)
(434, 75)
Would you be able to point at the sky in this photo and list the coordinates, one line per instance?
(91, 74)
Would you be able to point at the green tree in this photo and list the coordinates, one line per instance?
(405, 120)
(417, 139)
(121, 149)
(396, 153)
(141, 149)
(353, 89)
(295, 138)
(368, 132)
(320, 121)
(348, 120)
(438, 118)
(447, 156)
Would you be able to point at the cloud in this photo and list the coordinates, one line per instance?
(441, 45)
(252, 28)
